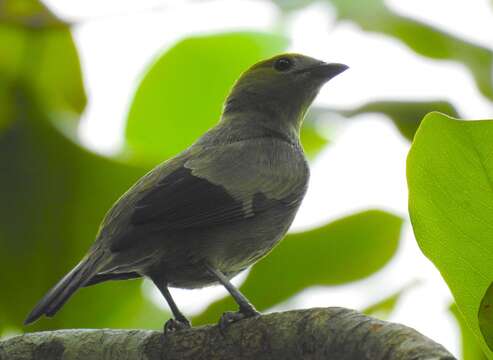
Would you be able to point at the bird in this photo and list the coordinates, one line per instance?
(205, 215)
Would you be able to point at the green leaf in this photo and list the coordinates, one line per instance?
(181, 95)
(313, 142)
(6, 108)
(406, 115)
(38, 54)
(345, 250)
(485, 316)
(450, 172)
(54, 195)
(291, 5)
(384, 308)
(373, 15)
(28, 14)
(470, 345)
(57, 79)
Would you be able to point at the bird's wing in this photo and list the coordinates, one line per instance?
(218, 186)
(183, 200)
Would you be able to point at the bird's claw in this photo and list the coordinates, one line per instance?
(174, 325)
(230, 317)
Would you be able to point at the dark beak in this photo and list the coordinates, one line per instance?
(328, 71)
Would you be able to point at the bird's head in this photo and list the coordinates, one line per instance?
(279, 90)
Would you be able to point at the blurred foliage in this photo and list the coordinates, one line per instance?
(312, 139)
(345, 250)
(28, 14)
(425, 40)
(54, 193)
(182, 94)
(406, 115)
(291, 5)
(470, 345)
(31, 43)
(384, 308)
(184, 72)
(449, 172)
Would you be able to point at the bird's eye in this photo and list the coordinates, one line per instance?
(283, 64)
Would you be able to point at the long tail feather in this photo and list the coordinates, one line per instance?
(99, 278)
(65, 288)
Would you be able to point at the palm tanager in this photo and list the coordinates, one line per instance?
(213, 210)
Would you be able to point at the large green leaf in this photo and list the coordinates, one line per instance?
(485, 316)
(450, 178)
(373, 15)
(345, 250)
(182, 93)
(470, 345)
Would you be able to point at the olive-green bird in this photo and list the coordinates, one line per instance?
(207, 214)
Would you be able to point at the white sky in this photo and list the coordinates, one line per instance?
(365, 165)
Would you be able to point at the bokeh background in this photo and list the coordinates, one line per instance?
(95, 93)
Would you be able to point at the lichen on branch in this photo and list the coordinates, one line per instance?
(320, 333)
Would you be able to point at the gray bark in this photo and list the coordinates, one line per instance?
(325, 333)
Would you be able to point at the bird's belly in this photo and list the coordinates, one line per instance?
(229, 248)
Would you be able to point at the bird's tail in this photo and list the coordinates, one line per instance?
(63, 290)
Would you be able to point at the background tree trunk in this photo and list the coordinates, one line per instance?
(322, 333)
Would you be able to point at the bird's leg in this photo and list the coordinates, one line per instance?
(246, 308)
(180, 321)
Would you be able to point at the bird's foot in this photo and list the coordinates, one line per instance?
(174, 325)
(230, 317)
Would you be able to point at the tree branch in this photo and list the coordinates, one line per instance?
(331, 333)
